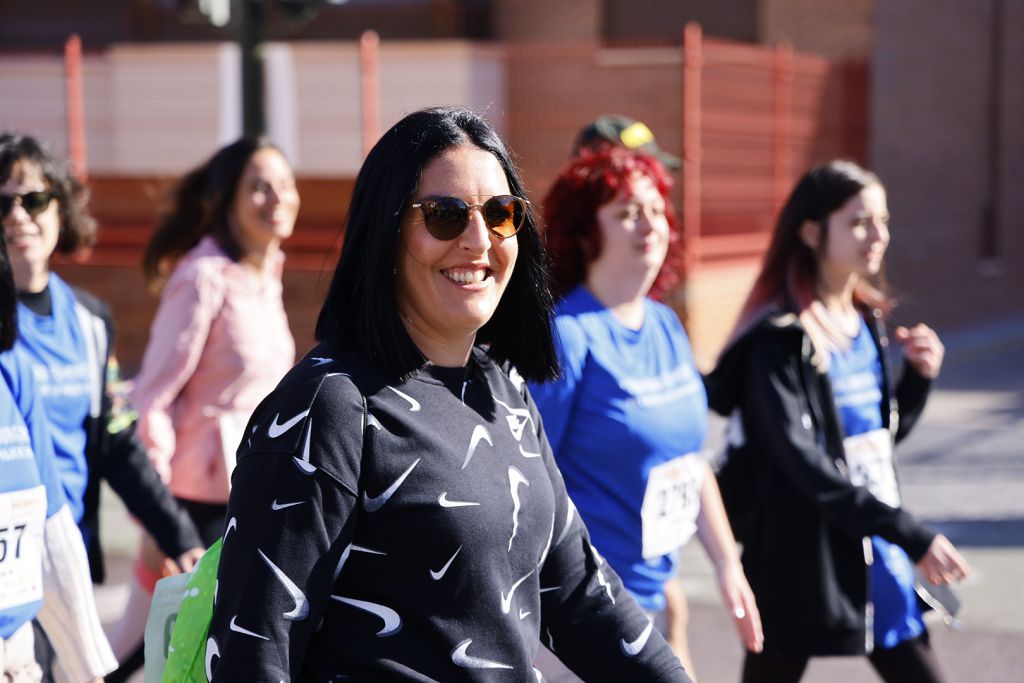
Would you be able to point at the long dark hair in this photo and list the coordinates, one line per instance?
(77, 227)
(583, 186)
(361, 310)
(790, 272)
(200, 206)
(8, 300)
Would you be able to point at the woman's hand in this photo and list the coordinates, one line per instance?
(943, 563)
(739, 601)
(185, 562)
(922, 348)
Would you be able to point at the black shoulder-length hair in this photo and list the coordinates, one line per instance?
(361, 309)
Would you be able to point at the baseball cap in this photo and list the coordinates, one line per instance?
(625, 132)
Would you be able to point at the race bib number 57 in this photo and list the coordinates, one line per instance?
(671, 504)
(22, 515)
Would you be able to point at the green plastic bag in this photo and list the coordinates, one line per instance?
(180, 635)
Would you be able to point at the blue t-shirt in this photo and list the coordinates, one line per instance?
(627, 401)
(856, 376)
(26, 463)
(58, 352)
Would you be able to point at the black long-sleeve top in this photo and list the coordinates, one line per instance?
(800, 518)
(414, 531)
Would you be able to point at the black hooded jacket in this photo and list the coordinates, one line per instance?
(785, 486)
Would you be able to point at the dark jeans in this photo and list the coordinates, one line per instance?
(911, 660)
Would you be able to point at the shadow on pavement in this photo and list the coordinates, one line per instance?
(981, 533)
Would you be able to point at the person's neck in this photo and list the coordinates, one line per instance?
(623, 295)
(448, 353)
(836, 294)
(30, 278)
(255, 258)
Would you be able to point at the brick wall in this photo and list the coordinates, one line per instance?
(932, 136)
(833, 28)
(543, 20)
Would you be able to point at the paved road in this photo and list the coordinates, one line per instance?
(962, 472)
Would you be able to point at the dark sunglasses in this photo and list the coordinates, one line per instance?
(34, 203)
(446, 217)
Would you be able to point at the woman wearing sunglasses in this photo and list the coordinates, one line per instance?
(395, 504)
(45, 572)
(810, 474)
(628, 415)
(219, 341)
(68, 337)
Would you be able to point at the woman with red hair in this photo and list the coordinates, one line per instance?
(809, 478)
(628, 415)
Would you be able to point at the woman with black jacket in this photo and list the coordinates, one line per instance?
(809, 479)
(67, 336)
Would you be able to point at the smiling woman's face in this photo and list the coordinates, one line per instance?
(31, 240)
(447, 290)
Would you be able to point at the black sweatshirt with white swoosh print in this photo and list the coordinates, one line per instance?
(412, 531)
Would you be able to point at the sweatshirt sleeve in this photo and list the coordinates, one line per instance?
(290, 517)
(778, 419)
(911, 395)
(589, 620)
(188, 305)
(68, 614)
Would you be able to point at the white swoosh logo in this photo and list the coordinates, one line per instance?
(350, 548)
(414, 405)
(212, 650)
(523, 613)
(275, 506)
(374, 504)
(632, 649)
(275, 430)
(551, 535)
(516, 420)
(372, 421)
(569, 514)
(437, 576)
(443, 501)
(516, 379)
(527, 454)
(515, 478)
(506, 600)
(238, 629)
(539, 675)
(232, 524)
(460, 658)
(303, 463)
(301, 603)
(392, 622)
(321, 361)
(479, 434)
(604, 584)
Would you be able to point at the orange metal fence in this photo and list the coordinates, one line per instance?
(748, 119)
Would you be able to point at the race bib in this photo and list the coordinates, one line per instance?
(869, 459)
(671, 504)
(22, 515)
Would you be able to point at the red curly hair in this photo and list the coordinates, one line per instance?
(570, 207)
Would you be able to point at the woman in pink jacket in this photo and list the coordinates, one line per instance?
(220, 339)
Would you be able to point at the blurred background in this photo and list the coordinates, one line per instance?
(928, 93)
